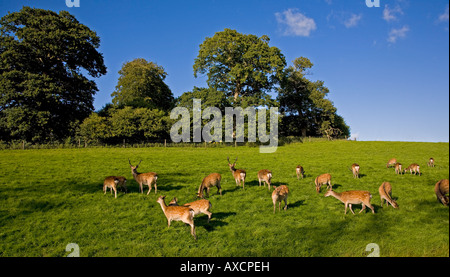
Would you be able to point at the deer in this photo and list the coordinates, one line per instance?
(280, 194)
(265, 176)
(113, 182)
(178, 213)
(300, 172)
(352, 197)
(148, 178)
(413, 167)
(199, 206)
(391, 162)
(212, 180)
(441, 190)
(385, 191)
(238, 174)
(322, 180)
(431, 162)
(398, 168)
(355, 170)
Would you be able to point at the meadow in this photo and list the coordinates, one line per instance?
(52, 197)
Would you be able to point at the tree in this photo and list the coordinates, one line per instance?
(141, 85)
(241, 66)
(43, 56)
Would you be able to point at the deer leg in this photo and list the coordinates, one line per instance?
(364, 207)
(149, 188)
(155, 187)
(193, 231)
(115, 192)
(350, 206)
(209, 214)
(260, 182)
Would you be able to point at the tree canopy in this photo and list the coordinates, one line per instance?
(43, 58)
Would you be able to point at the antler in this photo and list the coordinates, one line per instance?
(139, 162)
(129, 161)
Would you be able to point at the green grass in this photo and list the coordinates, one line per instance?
(50, 198)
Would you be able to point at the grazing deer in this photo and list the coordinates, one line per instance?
(148, 179)
(199, 206)
(280, 194)
(353, 197)
(441, 190)
(178, 213)
(355, 170)
(391, 162)
(385, 191)
(113, 182)
(265, 176)
(431, 162)
(300, 172)
(238, 174)
(322, 180)
(413, 167)
(212, 180)
(398, 168)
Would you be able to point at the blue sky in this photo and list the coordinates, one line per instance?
(386, 67)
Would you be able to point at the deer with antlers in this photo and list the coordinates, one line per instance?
(238, 174)
(148, 178)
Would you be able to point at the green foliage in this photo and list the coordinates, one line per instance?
(242, 66)
(47, 203)
(43, 91)
(141, 85)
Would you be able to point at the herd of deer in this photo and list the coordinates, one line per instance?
(186, 212)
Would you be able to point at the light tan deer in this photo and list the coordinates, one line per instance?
(398, 168)
(391, 162)
(265, 176)
(322, 180)
(431, 162)
(212, 180)
(280, 194)
(178, 213)
(441, 190)
(413, 167)
(113, 183)
(300, 172)
(238, 174)
(355, 170)
(148, 178)
(385, 191)
(353, 197)
(199, 206)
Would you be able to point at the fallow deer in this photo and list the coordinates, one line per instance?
(265, 176)
(431, 162)
(199, 206)
(178, 213)
(322, 180)
(355, 170)
(385, 191)
(398, 168)
(413, 167)
(280, 194)
(148, 179)
(238, 174)
(300, 172)
(353, 197)
(441, 190)
(391, 162)
(212, 180)
(113, 183)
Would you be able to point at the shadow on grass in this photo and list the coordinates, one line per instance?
(216, 221)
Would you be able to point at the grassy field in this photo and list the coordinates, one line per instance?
(50, 198)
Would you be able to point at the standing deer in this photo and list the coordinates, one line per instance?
(355, 170)
(212, 180)
(238, 174)
(300, 172)
(280, 194)
(385, 191)
(398, 168)
(431, 162)
(265, 176)
(353, 197)
(148, 179)
(391, 162)
(178, 213)
(441, 190)
(413, 167)
(113, 182)
(199, 206)
(322, 180)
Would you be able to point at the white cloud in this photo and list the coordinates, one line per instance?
(391, 14)
(444, 17)
(395, 34)
(353, 20)
(296, 23)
